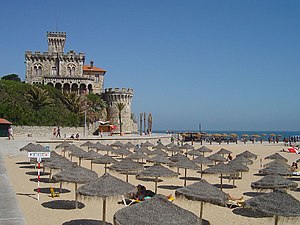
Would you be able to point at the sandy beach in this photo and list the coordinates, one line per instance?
(23, 178)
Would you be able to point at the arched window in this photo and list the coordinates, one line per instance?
(71, 70)
(37, 70)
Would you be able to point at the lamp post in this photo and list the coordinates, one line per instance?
(85, 112)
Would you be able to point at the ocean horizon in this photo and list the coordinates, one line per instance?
(239, 133)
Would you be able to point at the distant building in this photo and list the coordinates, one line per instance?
(67, 72)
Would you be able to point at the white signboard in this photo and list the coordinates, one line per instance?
(39, 155)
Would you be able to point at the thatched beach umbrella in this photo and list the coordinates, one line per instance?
(277, 169)
(90, 155)
(156, 171)
(204, 149)
(223, 152)
(158, 152)
(194, 153)
(177, 157)
(160, 159)
(122, 152)
(104, 187)
(248, 155)
(87, 144)
(129, 145)
(203, 161)
(186, 164)
(217, 158)
(117, 144)
(154, 211)
(186, 147)
(147, 144)
(220, 168)
(127, 166)
(277, 162)
(174, 149)
(238, 167)
(30, 147)
(77, 175)
(274, 181)
(243, 160)
(202, 191)
(160, 146)
(275, 203)
(63, 146)
(138, 156)
(171, 145)
(143, 150)
(276, 156)
(106, 159)
(77, 152)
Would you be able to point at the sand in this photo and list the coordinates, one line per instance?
(36, 214)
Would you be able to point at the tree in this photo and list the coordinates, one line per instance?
(38, 98)
(14, 77)
(96, 105)
(73, 102)
(120, 107)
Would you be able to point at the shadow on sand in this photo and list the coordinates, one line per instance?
(28, 167)
(225, 186)
(190, 178)
(23, 163)
(62, 204)
(169, 187)
(85, 222)
(56, 190)
(33, 196)
(35, 173)
(250, 213)
(253, 193)
(148, 179)
(43, 180)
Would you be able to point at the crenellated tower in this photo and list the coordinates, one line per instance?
(56, 41)
(113, 96)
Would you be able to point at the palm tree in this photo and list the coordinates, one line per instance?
(38, 98)
(120, 107)
(96, 105)
(73, 102)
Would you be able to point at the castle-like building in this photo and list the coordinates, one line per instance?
(68, 73)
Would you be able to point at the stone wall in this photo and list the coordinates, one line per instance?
(46, 131)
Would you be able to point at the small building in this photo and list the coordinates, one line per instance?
(4, 125)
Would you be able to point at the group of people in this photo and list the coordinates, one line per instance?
(56, 132)
(75, 136)
(294, 166)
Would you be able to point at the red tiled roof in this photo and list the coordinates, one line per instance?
(95, 69)
(4, 121)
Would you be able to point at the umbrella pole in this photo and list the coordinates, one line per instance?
(221, 181)
(155, 189)
(104, 211)
(127, 177)
(105, 167)
(241, 175)
(91, 165)
(233, 181)
(201, 170)
(276, 219)
(185, 176)
(76, 197)
(60, 187)
(50, 173)
(201, 212)
(79, 161)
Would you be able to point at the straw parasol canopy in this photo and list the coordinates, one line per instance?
(127, 166)
(171, 145)
(160, 146)
(187, 147)
(217, 158)
(276, 156)
(87, 144)
(122, 152)
(243, 160)
(106, 159)
(157, 171)
(143, 150)
(77, 175)
(157, 210)
(220, 168)
(178, 157)
(247, 154)
(158, 152)
(90, 155)
(194, 153)
(77, 152)
(204, 149)
(30, 147)
(186, 164)
(147, 144)
(277, 169)
(202, 191)
(104, 187)
(174, 149)
(277, 162)
(129, 145)
(275, 203)
(203, 161)
(117, 144)
(139, 155)
(63, 144)
(160, 159)
(274, 181)
(223, 151)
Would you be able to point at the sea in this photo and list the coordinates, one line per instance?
(282, 134)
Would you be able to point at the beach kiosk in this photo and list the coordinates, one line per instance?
(4, 125)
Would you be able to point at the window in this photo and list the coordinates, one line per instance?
(97, 78)
(54, 71)
(71, 70)
(37, 70)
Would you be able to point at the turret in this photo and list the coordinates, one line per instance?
(56, 42)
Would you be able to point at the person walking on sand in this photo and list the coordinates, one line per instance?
(10, 133)
(54, 132)
(58, 132)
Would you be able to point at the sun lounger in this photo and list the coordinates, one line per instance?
(235, 203)
(128, 201)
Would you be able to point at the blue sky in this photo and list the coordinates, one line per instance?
(231, 65)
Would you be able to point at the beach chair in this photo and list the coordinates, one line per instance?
(53, 194)
(234, 203)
